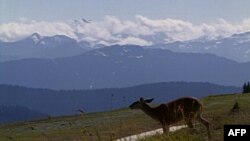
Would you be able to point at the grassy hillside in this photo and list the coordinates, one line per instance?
(123, 122)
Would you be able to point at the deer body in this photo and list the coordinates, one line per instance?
(186, 108)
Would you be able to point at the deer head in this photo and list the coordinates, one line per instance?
(138, 104)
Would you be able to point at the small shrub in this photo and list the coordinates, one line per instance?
(236, 108)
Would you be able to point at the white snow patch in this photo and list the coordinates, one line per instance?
(137, 57)
(36, 38)
(207, 47)
(150, 133)
(42, 42)
(125, 50)
(218, 42)
(182, 46)
(100, 53)
(244, 41)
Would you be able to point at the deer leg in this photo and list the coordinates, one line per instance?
(189, 123)
(165, 129)
(206, 123)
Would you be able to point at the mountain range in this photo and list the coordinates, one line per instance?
(122, 66)
(37, 46)
(69, 102)
(235, 47)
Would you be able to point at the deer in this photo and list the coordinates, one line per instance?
(185, 108)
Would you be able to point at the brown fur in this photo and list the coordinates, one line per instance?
(186, 108)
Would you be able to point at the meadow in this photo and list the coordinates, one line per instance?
(115, 124)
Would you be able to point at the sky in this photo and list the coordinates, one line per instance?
(196, 11)
(114, 19)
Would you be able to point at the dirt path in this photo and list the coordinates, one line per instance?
(149, 133)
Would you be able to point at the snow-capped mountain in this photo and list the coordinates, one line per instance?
(35, 37)
(52, 41)
(37, 46)
(235, 47)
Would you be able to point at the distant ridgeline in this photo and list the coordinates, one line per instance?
(18, 113)
(68, 102)
(122, 66)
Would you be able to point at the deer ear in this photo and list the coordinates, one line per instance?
(141, 99)
(149, 100)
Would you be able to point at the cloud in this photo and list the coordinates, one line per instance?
(111, 30)
(246, 24)
(18, 30)
(221, 28)
(134, 41)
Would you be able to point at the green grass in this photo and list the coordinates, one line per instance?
(124, 122)
(217, 111)
(93, 126)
